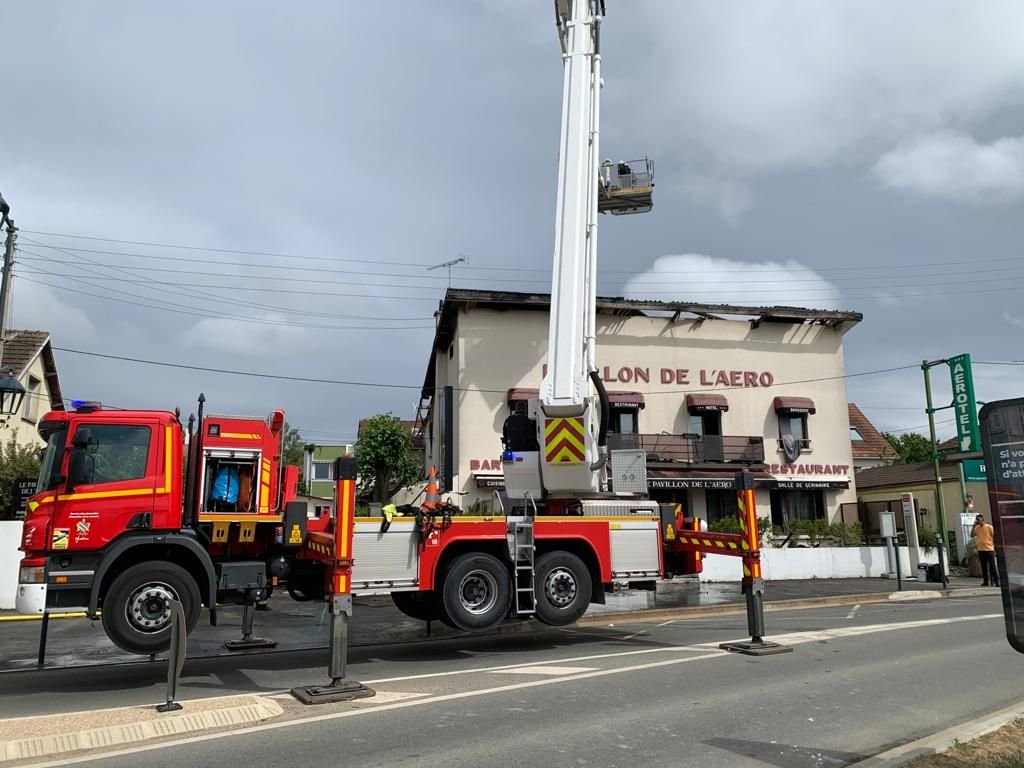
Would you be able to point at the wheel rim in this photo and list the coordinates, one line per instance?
(478, 592)
(560, 587)
(149, 608)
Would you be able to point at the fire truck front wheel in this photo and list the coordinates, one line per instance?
(563, 588)
(136, 609)
(476, 592)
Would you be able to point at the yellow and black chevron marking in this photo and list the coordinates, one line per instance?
(698, 541)
(563, 440)
(320, 547)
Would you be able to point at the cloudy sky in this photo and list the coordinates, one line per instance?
(863, 155)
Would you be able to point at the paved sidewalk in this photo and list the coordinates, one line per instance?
(77, 641)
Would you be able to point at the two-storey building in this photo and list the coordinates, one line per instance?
(706, 390)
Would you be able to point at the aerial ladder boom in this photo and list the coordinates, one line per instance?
(566, 452)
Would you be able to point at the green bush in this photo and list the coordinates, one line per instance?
(927, 538)
(847, 535)
(727, 524)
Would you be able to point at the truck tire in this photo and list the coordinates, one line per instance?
(476, 592)
(563, 587)
(136, 612)
(422, 606)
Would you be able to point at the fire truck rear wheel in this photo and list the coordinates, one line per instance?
(476, 592)
(422, 606)
(563, 588)
(136, 610)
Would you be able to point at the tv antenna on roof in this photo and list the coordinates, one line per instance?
(448, 264)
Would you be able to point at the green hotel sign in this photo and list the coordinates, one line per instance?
(974, 471)
(967, 430)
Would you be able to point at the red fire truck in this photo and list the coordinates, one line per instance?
(119, 526)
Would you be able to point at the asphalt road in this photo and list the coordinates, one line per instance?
(859, 681)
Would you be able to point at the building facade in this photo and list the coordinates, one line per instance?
(319, 468)
(29, 355)
(704, 390)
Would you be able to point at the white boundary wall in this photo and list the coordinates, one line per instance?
(812, 563)
(10, 538)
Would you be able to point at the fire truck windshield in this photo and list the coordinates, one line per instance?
(49, 472)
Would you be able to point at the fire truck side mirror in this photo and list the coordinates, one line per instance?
(80, 467)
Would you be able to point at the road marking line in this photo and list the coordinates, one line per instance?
(543, 670)
(644, 631)
(853, 611)
(794, 639)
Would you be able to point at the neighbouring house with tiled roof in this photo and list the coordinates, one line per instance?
(29, 355)
(870, 448)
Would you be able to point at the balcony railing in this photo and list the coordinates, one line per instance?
(693, 449)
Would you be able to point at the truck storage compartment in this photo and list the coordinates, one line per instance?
(229, 481)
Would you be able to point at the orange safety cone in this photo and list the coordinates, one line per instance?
(433, 499)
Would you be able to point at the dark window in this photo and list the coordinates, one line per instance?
(114, 452)
(323, 470)
(706, 423)
(624, 421)
(797, 505)
(795, 424)
(720, 504)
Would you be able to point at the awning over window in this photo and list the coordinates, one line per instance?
(626, 399)
(794, 405)
(621, 399)
(522, 394)
(698, 403)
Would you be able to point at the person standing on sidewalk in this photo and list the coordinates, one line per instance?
(984, 538)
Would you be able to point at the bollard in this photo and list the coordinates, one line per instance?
(43, 629)
(175, 657)
(753, 584)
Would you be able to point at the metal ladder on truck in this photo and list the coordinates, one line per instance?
(522, 551)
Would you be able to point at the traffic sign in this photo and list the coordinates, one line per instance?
(968, 437)
(1002, 433)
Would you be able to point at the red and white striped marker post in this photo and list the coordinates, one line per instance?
(340, 598)
(753, 584)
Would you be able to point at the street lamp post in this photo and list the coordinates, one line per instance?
(12, 393)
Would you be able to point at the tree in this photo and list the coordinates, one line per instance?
(384, 457)
(910, 447)
(17, 462)
(294, 447)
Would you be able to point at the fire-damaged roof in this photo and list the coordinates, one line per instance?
(460, 299)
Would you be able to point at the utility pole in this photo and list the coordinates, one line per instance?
(8, 274)
(940, 510)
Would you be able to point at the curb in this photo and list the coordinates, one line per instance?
(943, 740)
(252, 709)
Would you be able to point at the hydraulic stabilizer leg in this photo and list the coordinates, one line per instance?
(340, 600)
(753, 584)
(247, 641)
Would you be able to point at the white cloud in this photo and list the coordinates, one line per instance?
(37, 307)
(707, 279)
(788, 85)
(244, 338)
(955, 167)
(1012, 320)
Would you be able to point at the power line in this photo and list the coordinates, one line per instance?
(270, 254)
(138, 280)
(656, 277)
(208, 316)
(392, 385)
(723, 291)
